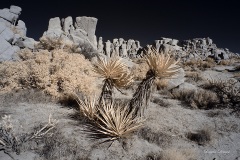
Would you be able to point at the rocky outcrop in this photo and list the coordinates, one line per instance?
(81, 33)
(12, 34)
(198, 48)
(119, 47)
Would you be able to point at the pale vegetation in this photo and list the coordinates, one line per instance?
(114, 73)
(56, 73)
(161, 66)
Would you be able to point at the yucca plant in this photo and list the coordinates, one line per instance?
(114, 121)
(161, 66)
(88, 107)
(115, 74)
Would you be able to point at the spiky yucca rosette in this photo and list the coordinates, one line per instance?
(115, 74)
(161, 66)
(113, 121)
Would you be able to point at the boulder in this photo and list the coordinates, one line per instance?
(15, 9)
(54, 24)
(7, 15)
(68, 23)
(6, 33)
(89, 25)
(8, 54)
(177, 80)
(29, 43)
(21, 28)
(4, 45)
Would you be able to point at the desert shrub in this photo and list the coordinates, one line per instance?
(201, 64)
(50, 44)
(161, 102)
(225, 62)
(193, 76)
(228, 91)
(201, 137)
(159, 138)
(56, 73)
(201, 99)
(59, 147)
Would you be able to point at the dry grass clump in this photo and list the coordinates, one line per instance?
(161, 66)
(201, 137)
(202, 65)
(113, 121)
(193, 76)
(159, 138)
(56, 73)
(201, 99)
(226, 62)
(50, 44)
(161, 102)
(115, 74)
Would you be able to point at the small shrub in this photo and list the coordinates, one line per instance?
(201, 99)
(158, 138)
(194, 76)
(201, 137)
(161, 102)
(225, 62)
(228, 91)
(202, 65)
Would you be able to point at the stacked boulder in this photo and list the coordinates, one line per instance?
(197, 48)
(12, 34)
(119, 47)
(78, 33)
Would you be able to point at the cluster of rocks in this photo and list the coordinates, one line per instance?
(80, 32)
(12, 33)
(197, 48)
(119, 47)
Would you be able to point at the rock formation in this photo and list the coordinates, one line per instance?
(78, 33)
(197, 48)
(119, 47)
(12, 34)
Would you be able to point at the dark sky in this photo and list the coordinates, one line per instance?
(141, 20)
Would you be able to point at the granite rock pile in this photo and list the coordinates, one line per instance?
(12, 34)
(197, 48)
(77, 33)
(119, 47)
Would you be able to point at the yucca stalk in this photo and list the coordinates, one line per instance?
(161, 66)
(114, 121)
(115, 74)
